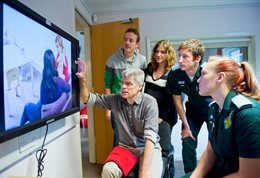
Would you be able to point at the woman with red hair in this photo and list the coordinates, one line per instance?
(233, 149)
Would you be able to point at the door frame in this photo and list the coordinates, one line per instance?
(84, 27)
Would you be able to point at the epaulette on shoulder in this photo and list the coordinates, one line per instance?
(240, 101)
(175, 67)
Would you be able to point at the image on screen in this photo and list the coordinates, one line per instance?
(36, 70)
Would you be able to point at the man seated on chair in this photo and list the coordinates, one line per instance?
(137, 120)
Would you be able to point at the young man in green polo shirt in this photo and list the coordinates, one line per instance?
(127, 56)
(183, 79)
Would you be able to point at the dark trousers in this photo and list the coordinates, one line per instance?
(31, 113)
(195, 119)
(164, 132)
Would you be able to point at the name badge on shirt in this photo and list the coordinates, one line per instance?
(181, 82)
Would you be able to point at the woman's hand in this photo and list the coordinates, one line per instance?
(186, 132)
(160, 120)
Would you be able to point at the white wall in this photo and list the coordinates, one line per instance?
(63, 158)
(196, 23)
(63, 142)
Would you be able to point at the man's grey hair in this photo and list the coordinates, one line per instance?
(136, 73)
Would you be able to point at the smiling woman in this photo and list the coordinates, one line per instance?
(163, 58)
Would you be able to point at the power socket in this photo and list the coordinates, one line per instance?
(27, 141)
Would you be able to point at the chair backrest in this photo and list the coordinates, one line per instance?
(13, 75)
(54, 107)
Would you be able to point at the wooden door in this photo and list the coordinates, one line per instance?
(106, 39)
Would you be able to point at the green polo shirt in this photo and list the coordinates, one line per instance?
(234, 132)
(179, 82)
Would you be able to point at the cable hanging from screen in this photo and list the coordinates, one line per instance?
(40, 154)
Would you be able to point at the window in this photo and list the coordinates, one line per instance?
(239, 54)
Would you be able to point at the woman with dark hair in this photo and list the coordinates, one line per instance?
(52, 86)
(233, 149)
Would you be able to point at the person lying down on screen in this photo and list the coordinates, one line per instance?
(52, 87)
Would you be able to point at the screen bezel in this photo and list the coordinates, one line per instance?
(9, 134)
